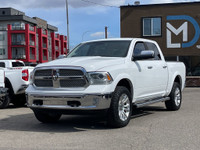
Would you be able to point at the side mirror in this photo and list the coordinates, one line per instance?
(144, 55)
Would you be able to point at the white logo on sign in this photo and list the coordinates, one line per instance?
(183, 28)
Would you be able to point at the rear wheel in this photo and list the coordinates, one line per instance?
(175, 98)
(119, 113)
(4, 102)
(45, 117)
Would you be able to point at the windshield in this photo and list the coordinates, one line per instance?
(102, 48)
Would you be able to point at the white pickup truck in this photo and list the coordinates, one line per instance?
(16, 80)
(112, 75)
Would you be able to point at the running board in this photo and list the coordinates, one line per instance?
(141, 104)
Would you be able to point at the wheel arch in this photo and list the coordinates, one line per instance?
(8, 85)
(126, 83)
(178, 79)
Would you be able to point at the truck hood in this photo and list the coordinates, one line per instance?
(89, 63)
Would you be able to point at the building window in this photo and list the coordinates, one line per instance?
(32, 53)
(2, 51)
(50, 54)
(18, 26)
(152, 26)
(18, 53)
(3, 27)
(2, 37)
(18, 39)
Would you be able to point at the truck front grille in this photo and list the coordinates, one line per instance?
(60, 77)
(72, 83)
(43, 83)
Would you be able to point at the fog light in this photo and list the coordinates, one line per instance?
(38, 102)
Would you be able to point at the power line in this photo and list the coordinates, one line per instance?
(87, 1)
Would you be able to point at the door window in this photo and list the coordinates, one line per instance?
(139, 47)
(2, 64)
(153, 47)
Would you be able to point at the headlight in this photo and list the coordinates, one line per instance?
(97, 78)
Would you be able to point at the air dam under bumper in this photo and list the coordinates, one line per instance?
(69, 101)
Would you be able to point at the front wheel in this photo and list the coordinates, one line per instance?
(120, 111)
(45, 117)
(175, 98)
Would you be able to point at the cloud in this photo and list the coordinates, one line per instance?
(97, 34)
(55, 23)
(33, 3)
(51, 4)
(58, 3)
(89, 3)
(100, 35)
(163, 1)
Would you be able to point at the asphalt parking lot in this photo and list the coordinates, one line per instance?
(151, 128)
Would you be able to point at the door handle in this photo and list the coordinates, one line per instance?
(149, 67)
(164, 67)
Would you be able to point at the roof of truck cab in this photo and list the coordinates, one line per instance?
(8, 60)
(118, 39)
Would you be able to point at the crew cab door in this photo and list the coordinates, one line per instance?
(152, 73)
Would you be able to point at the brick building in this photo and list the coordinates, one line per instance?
(176, 28)
(31, 40)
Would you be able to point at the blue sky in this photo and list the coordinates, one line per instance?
(87, 18)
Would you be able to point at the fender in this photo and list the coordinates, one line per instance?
(122, 77)
(9, 85)
(169, 87)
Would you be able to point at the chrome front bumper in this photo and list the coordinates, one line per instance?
(69, 101)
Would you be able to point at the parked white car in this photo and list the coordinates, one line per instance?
(17, 78)
(110, 74)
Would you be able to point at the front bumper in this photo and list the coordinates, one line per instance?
(69, 101)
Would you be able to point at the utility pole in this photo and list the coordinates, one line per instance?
(67, 24)
(106, 32)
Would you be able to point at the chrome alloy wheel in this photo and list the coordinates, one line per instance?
(177, 97)
(124, 107)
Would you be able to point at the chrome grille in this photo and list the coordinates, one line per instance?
(70, 72)
(44, 83)
(47, 72)
(72, 83)
(60, 77)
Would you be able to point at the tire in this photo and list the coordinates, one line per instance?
(175, 98)
(19, 100)
(4, 102)
(10, 91)
(120, 111)
(47, 117)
